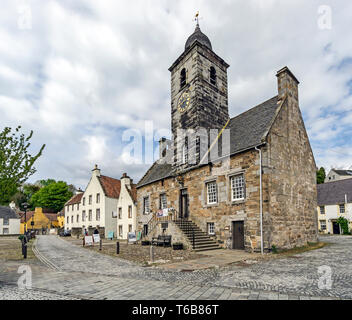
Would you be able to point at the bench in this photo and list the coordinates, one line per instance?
(162, 241)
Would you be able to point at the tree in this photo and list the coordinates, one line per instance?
(16, 164)
(24, 194)
(45, 183)
(321, 175)
(54, 196)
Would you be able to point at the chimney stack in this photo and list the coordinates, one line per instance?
(96, 171)
(287, 84)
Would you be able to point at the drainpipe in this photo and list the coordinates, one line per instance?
(261, 201)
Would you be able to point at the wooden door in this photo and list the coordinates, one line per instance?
(238, 235)
(184, 204)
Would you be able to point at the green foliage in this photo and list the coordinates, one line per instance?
(24, 194)
(343, 222)
(274, 249)
(45, 183)
(53, 196)
(321, 175)
(16, 164)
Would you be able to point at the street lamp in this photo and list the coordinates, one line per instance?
(25, 206)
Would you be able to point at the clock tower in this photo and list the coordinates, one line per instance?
(199, 98)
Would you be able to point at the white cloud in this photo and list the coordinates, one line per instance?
(88, 69)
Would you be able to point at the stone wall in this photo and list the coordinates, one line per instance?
(225, 211)
(291, 173)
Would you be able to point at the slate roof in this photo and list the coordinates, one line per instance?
(248, 130)
(110, 186)
(199, 36)
(333, 193)
(343, 172)
(8, 213)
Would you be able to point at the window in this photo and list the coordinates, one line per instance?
(183, 78)
(77, 218)
(90, 215)
(185, 151)
(322, 225)
(163, 201)
(90, 199)
(212, 76)
(237, 187)
(97, 214)
(212, 196)
(73, 207)
(77, 206)
(120, 231)
(84, 201)
(342, 208)
(211, 228)
(68, 208)
(322, 210)
(129, 228)
(146, 205)
(83, 215)
(68, 219)
(129, 212)
(120, 213)
(98, 197)
(6, 221)
(5, 231)
(71, 219)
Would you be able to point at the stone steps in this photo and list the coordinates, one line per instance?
(202, 241)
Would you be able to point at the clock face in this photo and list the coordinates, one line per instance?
(183, 101)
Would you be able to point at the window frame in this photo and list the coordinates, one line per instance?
(325, 225)
(214, 193)
(322, 212)
(97, 215)
(162, 204)
(144, 205)
(120, 213)
(130, 213)
(342, 205)
(211, 225)
(232, 188)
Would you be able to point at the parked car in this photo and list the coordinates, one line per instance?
(65, 233)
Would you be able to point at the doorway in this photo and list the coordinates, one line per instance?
(238, 235)
(184, 212)
(335, 227)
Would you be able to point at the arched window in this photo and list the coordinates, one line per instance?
(183, 78)
(212, 76)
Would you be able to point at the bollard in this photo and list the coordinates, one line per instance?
(151, 253)
(117, 247)
(100, 244)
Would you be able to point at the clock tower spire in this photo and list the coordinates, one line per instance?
(199, 98)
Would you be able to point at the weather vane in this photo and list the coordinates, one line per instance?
(196, 18)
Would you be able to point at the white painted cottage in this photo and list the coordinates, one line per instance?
(98, 206)
(9, 221)
(334, 201)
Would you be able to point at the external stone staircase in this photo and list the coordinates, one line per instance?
(202, 241)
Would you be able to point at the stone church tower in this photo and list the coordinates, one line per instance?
(199, 94)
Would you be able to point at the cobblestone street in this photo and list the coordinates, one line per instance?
(67, 271)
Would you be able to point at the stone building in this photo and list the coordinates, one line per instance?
(250, 185)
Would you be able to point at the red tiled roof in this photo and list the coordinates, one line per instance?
(75, 199)
(110, 186)
(132, 192)
(29, 214)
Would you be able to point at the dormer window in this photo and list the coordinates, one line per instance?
(183, 78)
(212, 76)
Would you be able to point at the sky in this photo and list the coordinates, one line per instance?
(81, 73)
